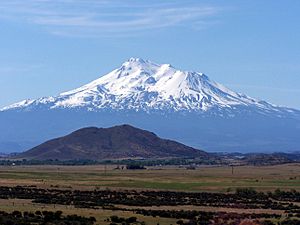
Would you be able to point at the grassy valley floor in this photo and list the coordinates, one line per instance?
(216, 179)
(170, 178)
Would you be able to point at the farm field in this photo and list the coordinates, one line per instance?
(102, 191)
(100, 214)
(215, 179)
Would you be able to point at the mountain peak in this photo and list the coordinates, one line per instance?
(138, 63)
(184, 105)
(133, 59)
(142, 85)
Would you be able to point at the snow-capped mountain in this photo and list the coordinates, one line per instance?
(142, 85)
(184, 106)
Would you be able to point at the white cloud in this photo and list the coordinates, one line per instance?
(9, 70)
(102, 18)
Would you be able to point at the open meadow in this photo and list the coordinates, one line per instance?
(156, 195)
(214, 178)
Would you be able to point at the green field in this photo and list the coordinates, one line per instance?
(216, 179)
(208, 179)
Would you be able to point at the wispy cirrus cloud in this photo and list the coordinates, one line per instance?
(89, 18)
(9, 70)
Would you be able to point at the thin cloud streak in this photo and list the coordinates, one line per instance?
(16, 69)
(103, 18)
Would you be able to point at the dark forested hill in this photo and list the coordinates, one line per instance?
(116, 142)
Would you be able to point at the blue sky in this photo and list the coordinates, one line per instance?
(50, 46)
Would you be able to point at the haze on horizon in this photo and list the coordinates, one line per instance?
(48, 47)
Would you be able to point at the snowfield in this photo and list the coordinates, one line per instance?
(142, 85)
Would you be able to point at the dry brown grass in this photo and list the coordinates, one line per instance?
(100, 214)
(206, 209)
(217, 179)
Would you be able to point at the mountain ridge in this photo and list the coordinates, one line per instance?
(141, 85)
(184, 106)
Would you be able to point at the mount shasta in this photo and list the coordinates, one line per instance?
(180, 105)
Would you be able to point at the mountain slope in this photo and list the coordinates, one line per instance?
(146, 86)
(110, 143)
(179, 105)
